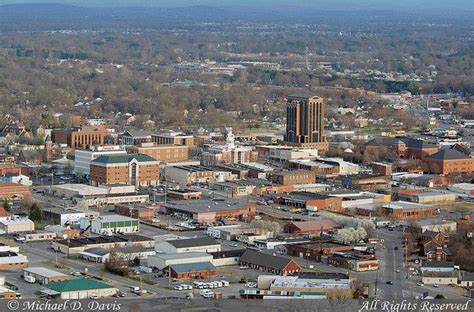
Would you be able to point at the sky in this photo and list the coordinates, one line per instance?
(313, 4)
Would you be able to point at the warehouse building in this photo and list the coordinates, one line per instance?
(428, 197)
(163, 260)
(43, 276)
(110, 224)
(16, 225)
(77, 245)
(316, 248)
(198, 244)
(79, 289)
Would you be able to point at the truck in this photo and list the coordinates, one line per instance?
(30, 279)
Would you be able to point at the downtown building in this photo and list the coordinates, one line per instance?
(305, 122)
(137, 170)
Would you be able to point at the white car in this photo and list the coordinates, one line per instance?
(251, 285)
(178, 287)
(208, 294)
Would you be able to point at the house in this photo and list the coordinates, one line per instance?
(466, 279)
(201, 270)
(83, 288)
(311, 227)
(198, 244)
(431, 240)
(44, 276)
(269, 263)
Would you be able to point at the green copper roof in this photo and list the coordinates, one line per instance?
(118, 159)
(77, 285)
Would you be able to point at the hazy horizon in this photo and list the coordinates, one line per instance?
(314, 4)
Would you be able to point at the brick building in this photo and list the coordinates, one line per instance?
(269, 263)
(79, 137)
(366, 182)
(14, 190)
(138, 170)
(312, 201)
(314, 250)
(405, 210)
(6, 168)
(294, 177)
(381, 169)
(173, 138)
(450, 160)
(401, 147)
(136, 212)
(201, 270)
(311, 227)
(164, 153)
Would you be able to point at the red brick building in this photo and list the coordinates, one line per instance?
(201, 270)
(79, 137)
(312, 201)
(136, 212)
(403, 147)
(273, 264)
(314, 250)
(12, 190)
(451, 160)
(6, 168)
(311, 227)
(138, 170)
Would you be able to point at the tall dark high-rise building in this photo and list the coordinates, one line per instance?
(305, 121)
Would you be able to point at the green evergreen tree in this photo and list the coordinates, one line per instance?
(36, 213)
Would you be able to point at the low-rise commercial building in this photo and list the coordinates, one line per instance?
(450, 160)
(14, 190)
(209, 211)
(110, 224)
(77, 245)
(366, 182)
(189, 174)
(16, 225)
(83, 288)
(62, 217)
(184, 194)
(269, 263)
(163, 260)
(311, 201)
(43, 276)
(405, 210)
(305, 286)
(316, 248)
(294, 177)
(428, 197)
(141, 212)
(355, 261)
(198, 244)
(202, 270)
(10, 260)
(311, 227)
